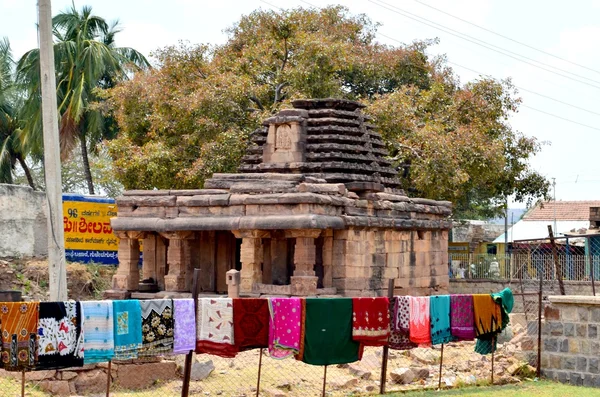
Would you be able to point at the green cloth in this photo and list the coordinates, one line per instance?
(328, 332)
(506, 300)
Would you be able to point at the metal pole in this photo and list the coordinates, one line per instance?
(557, 266)
(493, 349)
(56, 235)
(324, 380)
(539, 351)
(384, 359)
(441, 361)
(108, 377)
(259, 370)
(592, 275)
(187, 369)
(23, 383)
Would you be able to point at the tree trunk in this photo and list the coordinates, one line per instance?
(26, 170)
(86, 165)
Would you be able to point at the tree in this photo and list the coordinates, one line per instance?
(87, 61)
(191, 116)
(12, 149)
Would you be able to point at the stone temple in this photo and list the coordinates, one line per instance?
(315, 209)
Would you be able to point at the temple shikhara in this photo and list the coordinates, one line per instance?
(315, 209)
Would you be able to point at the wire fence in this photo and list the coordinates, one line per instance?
(254, 373)
(565, 258)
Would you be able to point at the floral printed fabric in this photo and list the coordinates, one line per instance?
(127, 328)
(285, 326)
(399, 339)
(19, 321)
(157, 327)
(98, 333)
(60, 340)
(371, 320)
(184, 326)
(215, 327)
(420, 320)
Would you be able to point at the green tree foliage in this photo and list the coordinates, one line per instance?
(191, 116)
(12, 150)
(86, 61)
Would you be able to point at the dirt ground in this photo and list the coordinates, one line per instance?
(30, 275)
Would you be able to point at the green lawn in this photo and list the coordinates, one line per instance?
(526, 389)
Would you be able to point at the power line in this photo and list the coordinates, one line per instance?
(560, 117)
(507, 38)
(484, 45)
(484, 74)
(530, 91)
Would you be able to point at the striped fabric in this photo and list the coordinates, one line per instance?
(98, 335)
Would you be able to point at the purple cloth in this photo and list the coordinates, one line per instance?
(185, 326)
(462, 322)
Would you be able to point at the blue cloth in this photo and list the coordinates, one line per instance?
(439, 311)
(127, 328)
(98, 336)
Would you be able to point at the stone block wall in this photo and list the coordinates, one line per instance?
(570, 343)
(365, 259)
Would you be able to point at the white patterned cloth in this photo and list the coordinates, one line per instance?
(215, 320)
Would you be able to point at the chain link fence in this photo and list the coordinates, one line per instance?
(254, 373)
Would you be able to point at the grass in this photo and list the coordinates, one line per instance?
(527, 389)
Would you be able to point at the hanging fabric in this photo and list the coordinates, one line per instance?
(371, 321)
(98, 332)
(19, 321)
(215, 327)
(497, 318)
(399, 336)
(127, 328)
(60, 340)
(328, 337)
(251, 323)
(184, 339)
(285, 327)
(420, 320)
(439, 309)
(157, 327)
(462, 323)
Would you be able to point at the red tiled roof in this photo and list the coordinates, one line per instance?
(565, 211)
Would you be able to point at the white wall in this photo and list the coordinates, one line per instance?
(23, 229)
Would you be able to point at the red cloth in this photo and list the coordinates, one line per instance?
(218, 349)
(251, 323)
(371, 321)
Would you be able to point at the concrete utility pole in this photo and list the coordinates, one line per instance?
(56, 235)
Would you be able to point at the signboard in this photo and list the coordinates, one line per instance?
(88, 234)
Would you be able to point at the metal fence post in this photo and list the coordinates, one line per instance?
(384, 358)
(187, 372)
(539, 352)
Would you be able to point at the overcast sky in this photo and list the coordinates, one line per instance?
(558, 29)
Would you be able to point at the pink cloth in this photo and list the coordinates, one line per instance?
(420, 320)
(284, 326)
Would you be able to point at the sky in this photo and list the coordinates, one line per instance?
(550, 50)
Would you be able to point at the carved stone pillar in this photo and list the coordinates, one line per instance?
(251, 256)
(304, 280)
(128, 273)
(179, 277)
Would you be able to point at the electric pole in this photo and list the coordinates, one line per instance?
(56, 236)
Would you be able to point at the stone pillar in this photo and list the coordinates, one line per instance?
(251, 256)
(128, 273)
(179, 275)
(149, 263)
(233, 283)
(328, 259)
(304, 280)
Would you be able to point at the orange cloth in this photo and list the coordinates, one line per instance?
(19, 323)
(487, 314)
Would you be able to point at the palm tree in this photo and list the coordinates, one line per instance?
(11, 145)
(86, 60)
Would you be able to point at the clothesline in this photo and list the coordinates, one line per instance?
(318, 331)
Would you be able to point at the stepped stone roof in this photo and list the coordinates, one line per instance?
(320, 165)
(340, 146)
